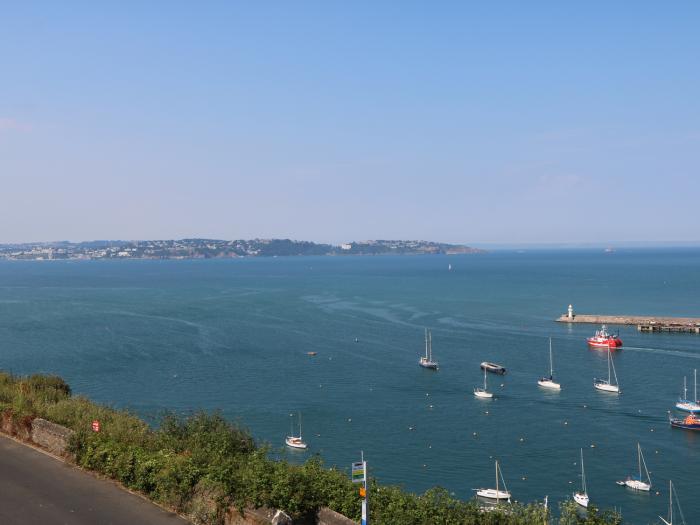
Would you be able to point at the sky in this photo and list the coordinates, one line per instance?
(332, 121)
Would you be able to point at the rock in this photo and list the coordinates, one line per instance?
(281, 518)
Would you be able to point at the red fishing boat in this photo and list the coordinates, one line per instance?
(689, 422)
(602, 339)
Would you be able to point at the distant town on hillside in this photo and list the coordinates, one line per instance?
(216, 248)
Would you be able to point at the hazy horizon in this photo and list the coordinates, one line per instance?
(478, 124)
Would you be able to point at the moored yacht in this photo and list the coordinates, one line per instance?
(606, 385)
(671, 492)
(582, 497)
(549, 382)
(295, 441)
(689, 405)
(483, 392)
(496, 493)
(637, 482)
(426, 361)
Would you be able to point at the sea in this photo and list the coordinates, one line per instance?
(234, 335)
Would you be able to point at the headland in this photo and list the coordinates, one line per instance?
(219, 249)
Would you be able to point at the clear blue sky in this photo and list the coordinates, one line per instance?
(332, 121)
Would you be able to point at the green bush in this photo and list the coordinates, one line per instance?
(571, 515)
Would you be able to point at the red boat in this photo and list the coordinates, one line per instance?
(689, 422)
(602, 339)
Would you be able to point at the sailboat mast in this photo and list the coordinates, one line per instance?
(685, 389)
(670, 501)
(497, 482)
(583, 475)
(695, 383)
(639, 460)
(609, 366)
(484, 380)
(551, 365)
(426, 343)
(613, 369)
(430, 346)
(299, 425)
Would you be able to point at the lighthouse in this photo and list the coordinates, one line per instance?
(570, 313)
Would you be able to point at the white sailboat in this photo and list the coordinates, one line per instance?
(689, 405)
(607, 385)
(483, 392)
(496, 493)
(295, 441)
(637, 483)
(426, 361)
(582, 497)
(548, 382)
(669, 521)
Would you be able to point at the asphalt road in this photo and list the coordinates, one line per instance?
(38, 489)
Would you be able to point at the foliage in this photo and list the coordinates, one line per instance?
(570, 514)
(201, 464)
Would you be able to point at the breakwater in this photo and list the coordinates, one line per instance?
(644, 323)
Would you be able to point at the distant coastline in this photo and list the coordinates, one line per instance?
(219, 249)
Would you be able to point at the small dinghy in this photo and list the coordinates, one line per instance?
(493, 368)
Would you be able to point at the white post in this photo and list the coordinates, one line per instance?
(570, 314)
(365, 505)
(355, 474)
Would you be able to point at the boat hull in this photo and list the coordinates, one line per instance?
(431, 365)
(635, 484)
(688, 406)
(684, 426)
(483, 394)
(294, 442)
(493, 494)
(690, 422)
(581, 499)
(546, 383)
(612, 344)
(493, 368)
(607, 387)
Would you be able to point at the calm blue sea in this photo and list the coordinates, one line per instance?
(233, 335)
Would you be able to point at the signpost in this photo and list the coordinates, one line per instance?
(359, 475)
(95, 426)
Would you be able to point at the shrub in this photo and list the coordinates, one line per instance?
(570, 515)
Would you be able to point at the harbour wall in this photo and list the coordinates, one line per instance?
(644, 323)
